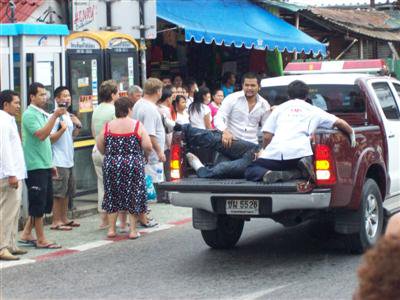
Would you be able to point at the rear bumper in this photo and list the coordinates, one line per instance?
(279, 202)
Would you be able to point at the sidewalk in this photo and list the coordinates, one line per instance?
(88, 235)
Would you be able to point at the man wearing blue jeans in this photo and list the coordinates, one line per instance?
(237, 123)
(240, 154)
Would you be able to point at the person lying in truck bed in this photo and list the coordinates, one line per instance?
(237, 123)
(287, 134)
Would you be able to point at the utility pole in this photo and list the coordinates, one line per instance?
(12, 9)
(142, 42)
(372, 3)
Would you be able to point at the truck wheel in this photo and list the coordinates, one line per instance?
(226, 235)
(370, 218)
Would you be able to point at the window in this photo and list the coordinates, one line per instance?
(397, 87)
(333, 98)
(386, 100)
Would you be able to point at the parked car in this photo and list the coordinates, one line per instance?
(356, 188)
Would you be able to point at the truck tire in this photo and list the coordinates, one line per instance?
(226, 235)
(370, 217)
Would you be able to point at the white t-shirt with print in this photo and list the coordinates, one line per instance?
(197, 118)
(292, 124)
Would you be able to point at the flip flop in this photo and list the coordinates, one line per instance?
(27, 242)
(72, 223)
(138, 235)
(61, 228)
(49, 246)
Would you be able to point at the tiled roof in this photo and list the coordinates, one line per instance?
(23, 10)
(382, 25)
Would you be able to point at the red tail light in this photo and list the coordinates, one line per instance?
(324, 168)
(175, 163)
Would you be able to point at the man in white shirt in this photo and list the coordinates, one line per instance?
(287, 135)
(65, 129)
(12, 172)
(236, 138)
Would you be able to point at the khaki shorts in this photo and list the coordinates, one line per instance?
(64, 184)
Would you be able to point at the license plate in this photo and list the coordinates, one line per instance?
(242, 207)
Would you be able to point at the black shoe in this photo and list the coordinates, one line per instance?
(276, 176)
(306, 167)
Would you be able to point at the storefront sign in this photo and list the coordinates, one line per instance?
(120, 43)
(85, 103)
(88, 15)
(83, 43)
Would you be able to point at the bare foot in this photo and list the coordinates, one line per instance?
(111, 234)
(29, 237)
(103, 226)
(134, 235)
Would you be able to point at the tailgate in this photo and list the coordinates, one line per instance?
(195, 184)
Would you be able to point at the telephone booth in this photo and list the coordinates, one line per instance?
(7, 32)
(94, 56)
(85, 69)
(39, 56)
(121, 60)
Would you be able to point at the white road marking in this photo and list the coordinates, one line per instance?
(157, 228)
(13, 263)
(91, 245)
(259, 294)
(84, 247)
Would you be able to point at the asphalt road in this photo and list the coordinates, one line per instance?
(269, 262)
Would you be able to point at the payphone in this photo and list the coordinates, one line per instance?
(39, 56)
(7, 32)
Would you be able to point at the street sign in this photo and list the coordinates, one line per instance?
(125, 15)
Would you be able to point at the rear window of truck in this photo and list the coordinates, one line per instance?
(332, 98)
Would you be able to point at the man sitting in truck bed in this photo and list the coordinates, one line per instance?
(237, 123)
(287, 137)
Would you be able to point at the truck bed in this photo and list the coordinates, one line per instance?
(195, 184)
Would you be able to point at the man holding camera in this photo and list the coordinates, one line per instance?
(65, 128)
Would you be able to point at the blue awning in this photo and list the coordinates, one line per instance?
(8, 29)
(236, 22)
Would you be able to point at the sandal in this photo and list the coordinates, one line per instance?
(131, 237)
(49, 246)
(61, 228)
(72, 223)
(27, 242)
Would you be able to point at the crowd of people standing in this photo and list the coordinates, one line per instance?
(132, 141)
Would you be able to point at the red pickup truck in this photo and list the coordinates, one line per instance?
(356, 188)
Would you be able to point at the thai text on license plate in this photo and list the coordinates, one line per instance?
(242, 207)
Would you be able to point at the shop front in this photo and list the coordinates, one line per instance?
(203, 39)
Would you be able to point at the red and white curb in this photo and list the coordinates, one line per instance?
(88, 246)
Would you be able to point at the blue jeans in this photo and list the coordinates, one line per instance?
(240, 154)
(257, 169)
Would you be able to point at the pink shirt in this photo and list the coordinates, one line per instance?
(214, 110)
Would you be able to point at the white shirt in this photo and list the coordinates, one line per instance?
(147, 113)
(234, 115)
(197, 118)
(12, 162)
(292, 124)
(63, 149)
(182, 118)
